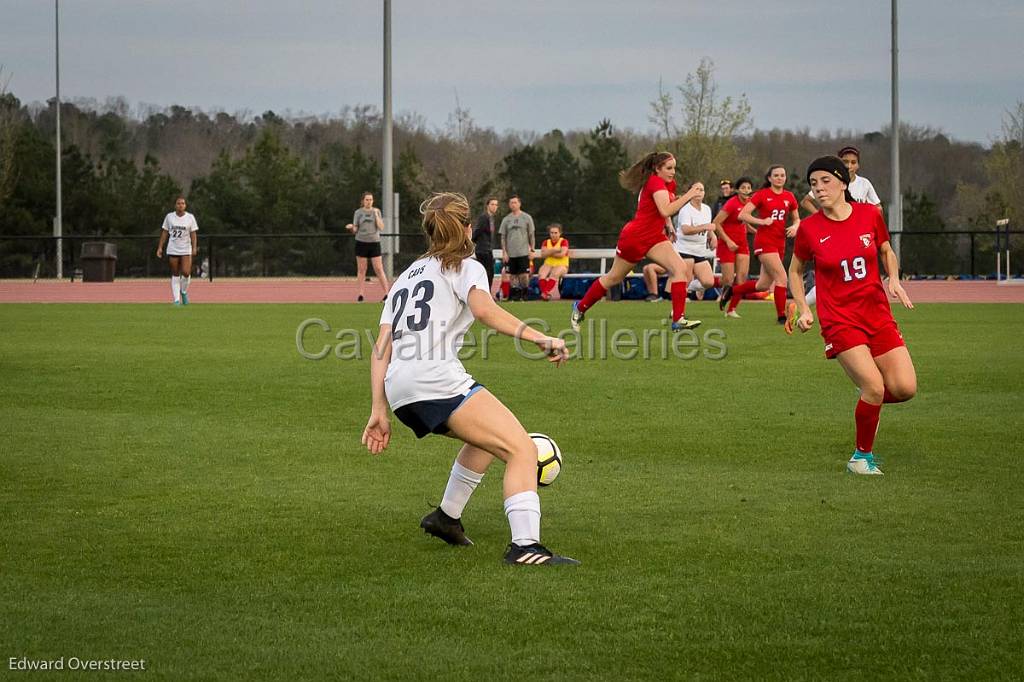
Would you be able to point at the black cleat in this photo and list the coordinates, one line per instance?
(782, 319)
(535, 555)
(726, 296)
(440, 525)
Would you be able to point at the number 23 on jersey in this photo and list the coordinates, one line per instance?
(419, 316)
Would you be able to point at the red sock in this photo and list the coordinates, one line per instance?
(551, 285)
(506, 289)
(594, 294)
(780, 301)
(866, 416)
(739, 291)
(718, 281)
(678, 300)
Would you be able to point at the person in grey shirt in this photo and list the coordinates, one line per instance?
(366, 225)
(517, 246)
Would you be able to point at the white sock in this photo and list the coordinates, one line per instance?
(461, 485)
(523, 512)
(175, 289)
(185, 279)
(811, 297)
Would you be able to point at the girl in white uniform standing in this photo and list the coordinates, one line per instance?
(178, 234)
(416, 371)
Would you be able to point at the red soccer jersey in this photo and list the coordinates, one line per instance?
(845, 255)
(732, 225)
(648, 217)
(774, 206)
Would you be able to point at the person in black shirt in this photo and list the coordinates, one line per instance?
(483, 231)
(726, 193)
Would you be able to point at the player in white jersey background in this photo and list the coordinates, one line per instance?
(415, 369)
(178, 234)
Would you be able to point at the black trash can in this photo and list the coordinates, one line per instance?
(99, 260)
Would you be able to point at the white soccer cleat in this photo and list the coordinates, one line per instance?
(576, 318)
(863, 463)
(733, 314)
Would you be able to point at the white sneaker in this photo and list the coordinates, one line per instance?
(575, 318)
(733, 314)
(863, 463)
(683, 323)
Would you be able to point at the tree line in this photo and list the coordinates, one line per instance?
(272, 174)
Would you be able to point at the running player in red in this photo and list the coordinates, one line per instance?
(844, 240)
(773, 204)
(733, 249)
(648, 235)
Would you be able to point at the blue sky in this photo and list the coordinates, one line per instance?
(531, 65)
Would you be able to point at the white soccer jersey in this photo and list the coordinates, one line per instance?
(861, 190)
(179, 230)
(428, 310)
(693, 244)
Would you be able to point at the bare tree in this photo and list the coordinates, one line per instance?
(1006, 163)
(704, 139)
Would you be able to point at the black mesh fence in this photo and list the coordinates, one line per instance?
(924, 254)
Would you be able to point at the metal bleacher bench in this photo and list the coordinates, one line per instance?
(603, 255)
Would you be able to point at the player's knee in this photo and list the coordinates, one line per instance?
(872, 391)
(521, 451)
(904, 390)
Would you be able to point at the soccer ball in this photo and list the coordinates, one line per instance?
(549, 458)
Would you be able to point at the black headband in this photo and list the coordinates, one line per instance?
(832, 165)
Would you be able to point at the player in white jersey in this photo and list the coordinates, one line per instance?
(416, 371)
(178, 234)
(861, 190)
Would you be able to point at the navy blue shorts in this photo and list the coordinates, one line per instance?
(431, 416)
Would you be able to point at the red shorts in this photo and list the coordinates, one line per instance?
(879, 341)
(634, 242)
(727, 256)
(768, 244)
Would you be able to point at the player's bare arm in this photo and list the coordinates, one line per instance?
(795, 225)
(797, 267)
(489, 313)
(892, 270)
(808, 204)
(377, 433)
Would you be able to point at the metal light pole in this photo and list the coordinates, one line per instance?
(58, 225)
(387, 192)
(896, 199)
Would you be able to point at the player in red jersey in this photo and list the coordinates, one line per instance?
(773, 204)
(648, 235)
(844, 240)
(733, 249)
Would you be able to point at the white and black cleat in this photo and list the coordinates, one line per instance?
(535, 555)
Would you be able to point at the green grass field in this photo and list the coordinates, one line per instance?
(181, 486)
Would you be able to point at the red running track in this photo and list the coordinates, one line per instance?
(344, 290)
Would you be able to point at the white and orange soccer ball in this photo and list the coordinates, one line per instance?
(549, 459)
